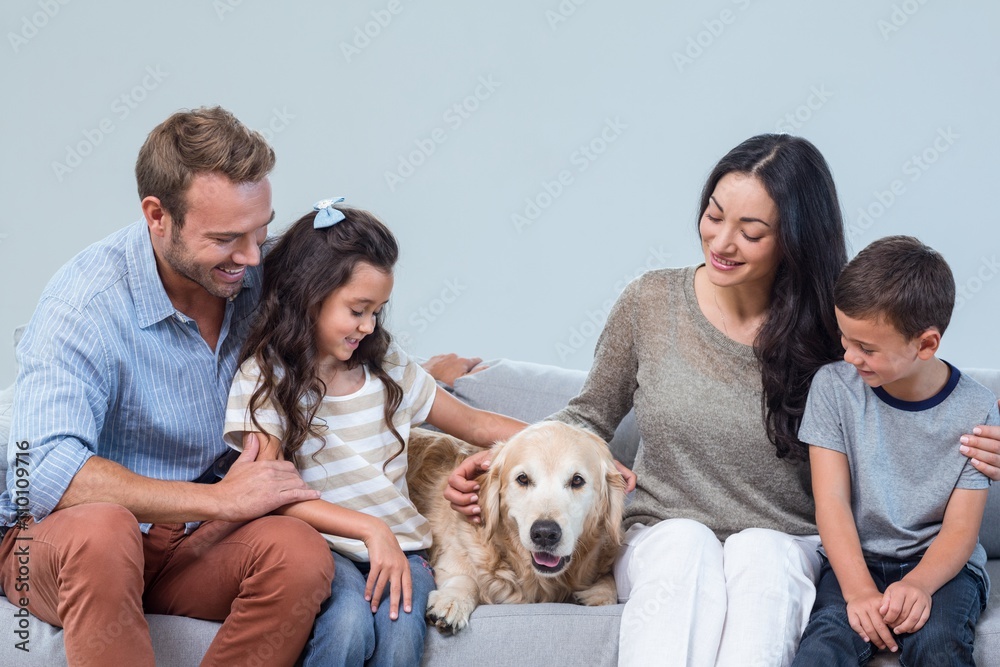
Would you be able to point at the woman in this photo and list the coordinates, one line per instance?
(720, 557)
(983, 447)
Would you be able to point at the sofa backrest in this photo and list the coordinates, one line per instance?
(531, 392)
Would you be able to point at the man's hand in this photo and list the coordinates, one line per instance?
(865, 618)
(905, 607)
(449, 367)
(983, 447)
(254, 488)
(628, 475)
(462, 487)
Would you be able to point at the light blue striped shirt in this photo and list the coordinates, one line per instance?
(109, 367)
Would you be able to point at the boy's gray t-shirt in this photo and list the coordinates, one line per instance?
(903, 456)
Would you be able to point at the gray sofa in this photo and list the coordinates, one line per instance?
(498, 634)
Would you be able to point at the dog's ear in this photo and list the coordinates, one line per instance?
(490, 489)
(612, 501)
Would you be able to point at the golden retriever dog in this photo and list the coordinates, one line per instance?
(552, 504)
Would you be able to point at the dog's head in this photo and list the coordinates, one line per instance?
(558, 488)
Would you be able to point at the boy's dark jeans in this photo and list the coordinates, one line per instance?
(946, 638)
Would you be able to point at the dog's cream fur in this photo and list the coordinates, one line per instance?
(552, 504)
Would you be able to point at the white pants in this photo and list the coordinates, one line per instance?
(693, 601)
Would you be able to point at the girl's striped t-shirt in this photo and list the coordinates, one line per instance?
(346, 464)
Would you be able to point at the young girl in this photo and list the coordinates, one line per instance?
(322, 385)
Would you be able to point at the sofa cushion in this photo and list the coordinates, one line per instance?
(553, 635)
(549, 635)
(177, 641)
(531, 392)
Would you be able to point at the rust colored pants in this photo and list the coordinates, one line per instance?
(91, 571)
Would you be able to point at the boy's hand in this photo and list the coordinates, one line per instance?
(865, 618)
(905, 607)
(389, 567)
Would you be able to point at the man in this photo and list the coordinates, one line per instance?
(117, 425)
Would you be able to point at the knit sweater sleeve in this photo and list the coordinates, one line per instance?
(607, 394)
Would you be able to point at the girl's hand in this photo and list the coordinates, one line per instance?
(389, 567)
(865, 618)
(905, 607)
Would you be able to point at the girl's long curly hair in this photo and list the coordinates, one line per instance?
(303, 267)
(800, 332)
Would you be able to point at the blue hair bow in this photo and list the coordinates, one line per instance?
(327, 215)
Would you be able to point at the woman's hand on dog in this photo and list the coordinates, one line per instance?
(389, 567)
(462, 488)
(628, 475)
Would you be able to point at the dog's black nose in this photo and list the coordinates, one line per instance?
(546, 533)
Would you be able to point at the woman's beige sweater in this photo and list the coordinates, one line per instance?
(697, 397)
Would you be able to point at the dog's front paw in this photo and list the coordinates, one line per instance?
(449, 612)
(601, 593)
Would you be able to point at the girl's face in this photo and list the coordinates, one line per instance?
(739, 233)
(348, 313)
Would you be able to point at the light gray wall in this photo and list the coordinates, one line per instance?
(901, 97)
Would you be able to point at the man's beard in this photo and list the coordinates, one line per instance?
(176, 254)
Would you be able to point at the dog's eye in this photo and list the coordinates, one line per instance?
(523, 480)
(577, 481)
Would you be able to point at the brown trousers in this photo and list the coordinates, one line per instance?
(90, 570)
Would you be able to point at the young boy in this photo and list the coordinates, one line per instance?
(897, 505)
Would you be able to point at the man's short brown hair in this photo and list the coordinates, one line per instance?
(190, 142)
(899, 280)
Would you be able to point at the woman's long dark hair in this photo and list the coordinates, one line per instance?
(304, 266)
(800, 332)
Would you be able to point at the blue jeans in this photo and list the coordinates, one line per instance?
(946, 638)
(346, 631)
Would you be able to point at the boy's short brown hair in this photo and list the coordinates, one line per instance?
(203, 140)
(899, 280)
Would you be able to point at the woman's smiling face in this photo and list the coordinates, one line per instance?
(739, 233)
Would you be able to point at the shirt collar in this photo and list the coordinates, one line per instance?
(926, 404)
(152, 304)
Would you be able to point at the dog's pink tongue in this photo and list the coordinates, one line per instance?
(546, 559)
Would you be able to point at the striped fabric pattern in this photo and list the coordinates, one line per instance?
(346, 464)
(109, 367)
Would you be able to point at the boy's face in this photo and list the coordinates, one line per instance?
(881, 355)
